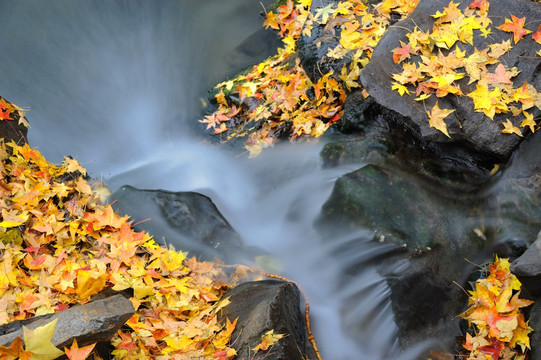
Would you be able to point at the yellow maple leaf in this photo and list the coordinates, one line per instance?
(436, 116)
(89, 284)
(400, 88)
(38, 342)
(529, 121)
(12, 218)
(521, 337)
(509, 128)
(350, 37)
(268, 340)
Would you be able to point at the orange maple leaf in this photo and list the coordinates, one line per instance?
(77, 353)
(482, 5)
(14, 351)
(4, 115)
(516, 26)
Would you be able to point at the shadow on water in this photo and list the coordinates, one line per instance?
(117, 84)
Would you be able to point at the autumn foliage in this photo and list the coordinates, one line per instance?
(59, 247)
(276, 98)
(441, 61)
(498, 327)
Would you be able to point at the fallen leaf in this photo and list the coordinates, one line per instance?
(268, 340)
(77, 353)
(509, 128)
(436, 116)
(516, 26)
(38, 342)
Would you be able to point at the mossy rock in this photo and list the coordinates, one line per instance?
(387, 202)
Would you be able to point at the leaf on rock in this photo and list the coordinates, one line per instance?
(436, 116)
(38, 342)
(515, 26)
(509, 128)
(268, 340)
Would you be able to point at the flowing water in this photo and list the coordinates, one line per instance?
(118, 85)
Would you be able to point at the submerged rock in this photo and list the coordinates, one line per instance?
(434, 230)
(389, 203)
(262, 306)
(187, 220)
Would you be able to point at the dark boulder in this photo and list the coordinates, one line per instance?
(433, 230)
(391, 203)
(375, 134)
(312, 49)
(528, 267)
(96, 321)
(468, 129)
(187, 220)
(266, 305)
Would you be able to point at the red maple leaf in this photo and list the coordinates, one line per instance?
(480, 4)
(126, 342)
(516, 26)
(402, 53)
(4, 115)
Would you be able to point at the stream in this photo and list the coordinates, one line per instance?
(118, 85)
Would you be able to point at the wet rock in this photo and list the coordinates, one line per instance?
(12, 130)
(312, 49)
(528, 267)
(376, 135)
(96, 321)
(436, 229)
(388, 203)
(189, 221)
(266, 305)
(469, 130)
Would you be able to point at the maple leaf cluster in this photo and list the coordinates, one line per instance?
(440, 63)
(500, 330)
(276, 98)
(60, 246)
(9, 111)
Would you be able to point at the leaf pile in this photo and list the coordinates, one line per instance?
(276, 98)
(59, 246)
(440, 63)
(500, 331)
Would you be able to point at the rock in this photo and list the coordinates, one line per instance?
(189, 221)
(312, 55)
(266, 305)
(96, 321)
(11, 129)
(433, 229)
(387, 202)
(528, 267)
(376, 135)
(468, 129)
